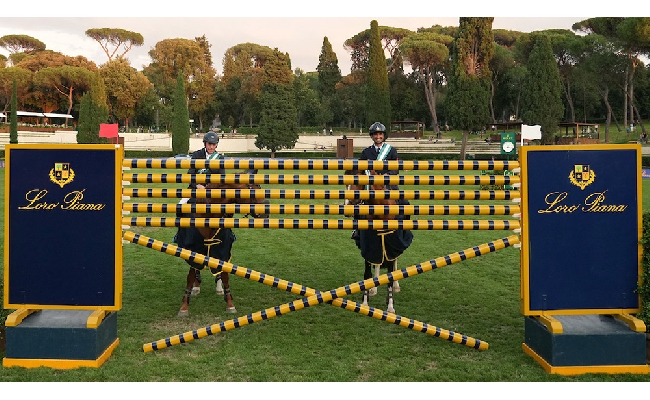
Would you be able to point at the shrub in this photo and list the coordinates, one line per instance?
(644, 285)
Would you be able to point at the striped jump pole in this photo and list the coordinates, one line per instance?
(315, 297)
(268, 223)
(312, 194)
(343, 180)
(319, 164)
(321, 209)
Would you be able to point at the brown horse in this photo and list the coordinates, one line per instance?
(379, 248)
(213, 242)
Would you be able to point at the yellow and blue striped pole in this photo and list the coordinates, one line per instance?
(321, 209)
(324, 179)
(269, 223)
(327, 164)
(311, 194)
(315, 297)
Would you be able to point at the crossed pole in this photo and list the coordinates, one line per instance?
(316, 297)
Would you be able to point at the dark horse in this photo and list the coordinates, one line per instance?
(379, 248)
(213, 242)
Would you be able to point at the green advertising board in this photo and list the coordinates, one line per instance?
(508, 143)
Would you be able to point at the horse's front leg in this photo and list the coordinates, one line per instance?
(219, 283)
(366, 274)
(227, 297)
(196, 288)
(191, 278)
(373, 291)
(390, 265)
(396, 283)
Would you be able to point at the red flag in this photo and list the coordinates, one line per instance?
(108, 130)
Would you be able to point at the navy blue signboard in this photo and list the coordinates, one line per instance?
(62, 227)
(581, 227)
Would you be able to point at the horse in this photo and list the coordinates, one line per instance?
(213, 242)
(379, 248)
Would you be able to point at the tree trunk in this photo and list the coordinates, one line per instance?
(638, 117)
(627, 73)
(430, 93)
(569, 100)
(463, 146)
(491, 102)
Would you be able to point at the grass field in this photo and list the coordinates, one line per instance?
(479, 297)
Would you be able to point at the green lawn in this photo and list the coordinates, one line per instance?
(479, 297)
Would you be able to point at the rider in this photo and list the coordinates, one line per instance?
(185, 237)
(380, 150)
(208, 152)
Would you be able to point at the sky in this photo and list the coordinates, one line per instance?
(294, 27)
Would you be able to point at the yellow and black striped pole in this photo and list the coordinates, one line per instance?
(270, 223)
(321, 209)
(320, 164)
(266, 179)
(322, 194)
(315, 297)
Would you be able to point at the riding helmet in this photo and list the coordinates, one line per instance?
(377, 127)
(211, 137)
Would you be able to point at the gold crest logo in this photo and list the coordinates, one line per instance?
(61, 174)
(582, 176)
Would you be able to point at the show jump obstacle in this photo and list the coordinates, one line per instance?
(559, 280)
(63, 254)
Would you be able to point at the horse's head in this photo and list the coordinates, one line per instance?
(353, 202)
(376, 187)
(219, 186)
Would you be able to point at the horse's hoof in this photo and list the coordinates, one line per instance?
(396, 289)
(219, 291)
(391, 310)
(183, 313)
(196, 290)
(372, 291)
(231, 310)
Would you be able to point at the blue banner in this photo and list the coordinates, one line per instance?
(61, 217)
(581, 228)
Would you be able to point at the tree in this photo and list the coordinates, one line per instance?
(469, 90)
(8, 76)
(64, 80)
(13, 123)
(125, 87)
(278, 118)
(600, 68)
(20, 46)
(93, 111)
(359, 46)
(541, 102)
(329, 73)
(500, 65)
(249, 63)
(428, 55)
(631, 38)
(202, 88)
(377, 91)
(170, 56)
(307, 103)
(116, 38)
(181, 122)
(46, 98)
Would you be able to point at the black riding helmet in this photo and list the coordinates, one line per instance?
(211, 137)
(378, 127)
